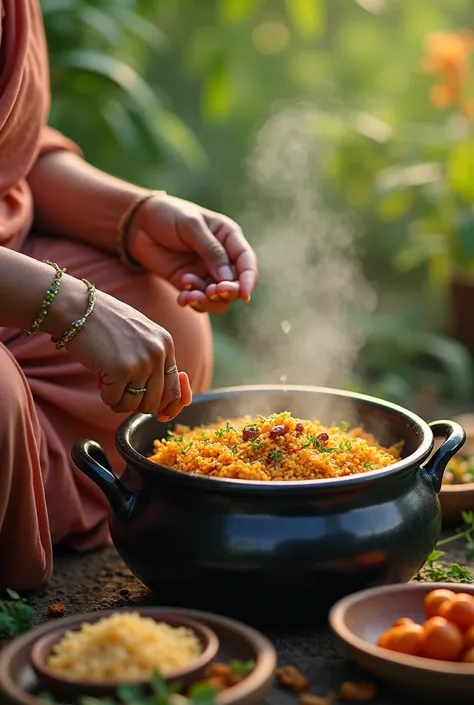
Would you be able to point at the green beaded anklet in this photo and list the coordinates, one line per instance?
(47, 301)
(74, 328)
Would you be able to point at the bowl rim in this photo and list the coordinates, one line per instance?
(414, 460)
(338, 625)
(202, 631)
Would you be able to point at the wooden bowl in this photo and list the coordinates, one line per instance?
(360, 619)
(51, 681)
(455, 499)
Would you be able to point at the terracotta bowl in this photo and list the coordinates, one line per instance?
(455, 499)
(360, 619)
(50, 681)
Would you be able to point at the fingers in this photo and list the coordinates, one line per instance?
(175, 406)
(239, 251)
(200, 302)
(115, 394)
(211, 251)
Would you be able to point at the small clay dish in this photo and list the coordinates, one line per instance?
(455, 499)
(52, 682)
(360, 619)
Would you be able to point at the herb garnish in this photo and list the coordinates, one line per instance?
(345, 445)
(276, 456)
(176, 438)
(229, 427)
(242, 668)
(344, 426)
(250, 427)
(187, 447)
(219, 433)
(233, 450)
(16, 616)
(368, 465)
(322, 449)
(255, 443)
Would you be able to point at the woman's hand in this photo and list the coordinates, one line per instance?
(124, 349)
(203, 254)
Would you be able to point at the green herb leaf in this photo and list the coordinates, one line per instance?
(276, 456)
(242, 668)
(202, 693)
(255, 443)
(233, 450)
(229, 427)
(187, 447)
(367, 465)
(344, 426)
(130, 693)
(322, 449)
(16, 616)
(219, 433)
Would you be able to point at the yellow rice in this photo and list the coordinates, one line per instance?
(125, 647)
(224, 449)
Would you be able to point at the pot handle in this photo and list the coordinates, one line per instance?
(455, 438)
(91, 459)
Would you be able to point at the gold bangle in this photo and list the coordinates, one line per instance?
(47, 301)
(123, 231)
(69, 335)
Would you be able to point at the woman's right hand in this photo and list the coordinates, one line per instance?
(124, 348)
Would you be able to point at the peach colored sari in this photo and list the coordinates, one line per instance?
(47, 400)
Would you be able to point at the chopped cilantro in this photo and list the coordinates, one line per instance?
(322, 449)
(276, 455)
(367, 465)
(344, 425)
(187, 447)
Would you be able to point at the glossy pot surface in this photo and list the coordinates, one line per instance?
(242, 547)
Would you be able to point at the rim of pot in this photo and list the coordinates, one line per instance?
(133, 457)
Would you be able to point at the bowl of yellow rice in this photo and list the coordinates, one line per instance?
(125, 647)
(260, 497)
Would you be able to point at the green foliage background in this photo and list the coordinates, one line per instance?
(171, 95)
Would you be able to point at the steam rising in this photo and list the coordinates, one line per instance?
(301, 328)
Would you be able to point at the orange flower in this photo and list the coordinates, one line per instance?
(448, 52)
(448, 58)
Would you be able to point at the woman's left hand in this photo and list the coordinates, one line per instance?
(203, 254)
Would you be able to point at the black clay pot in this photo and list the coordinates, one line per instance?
(242, 547)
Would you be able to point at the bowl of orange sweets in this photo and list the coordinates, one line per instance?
(418, 637)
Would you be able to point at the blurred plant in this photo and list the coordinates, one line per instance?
(442, 236)
(98, 49)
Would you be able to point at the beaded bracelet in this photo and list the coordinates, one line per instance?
(47, 301)
(123, 229)
(74, 328)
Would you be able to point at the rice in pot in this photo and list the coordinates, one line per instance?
(277, 447)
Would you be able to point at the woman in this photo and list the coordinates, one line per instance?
(140, 341)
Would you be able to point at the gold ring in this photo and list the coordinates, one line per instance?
(171, 370)
(136, 392)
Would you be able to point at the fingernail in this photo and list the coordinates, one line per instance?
(187, 287)
(214, 297)
(225, 273)
(163, 418)
(225, 295)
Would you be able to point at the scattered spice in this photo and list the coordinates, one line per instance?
(56, 609)
(357, 692)
(292, 678)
